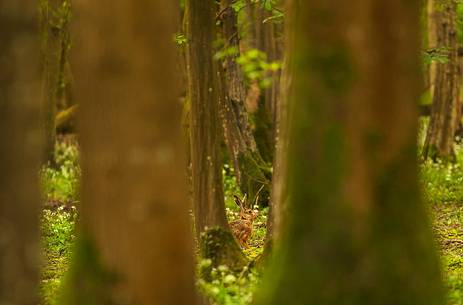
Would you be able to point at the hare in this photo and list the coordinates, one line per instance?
(242, 228)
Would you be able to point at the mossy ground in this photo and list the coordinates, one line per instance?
(442, 192)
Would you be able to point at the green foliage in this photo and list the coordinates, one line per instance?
(230, 187)
(443, 181)
(180, 39)
(225, 52)
(448, 228)
(256, 67)
(437, 55)
(57, 239)
(227, 287)
(61, 183)
(238, 5)
(277, 15)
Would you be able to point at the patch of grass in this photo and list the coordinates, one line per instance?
(60, 183)
(59, 189)
(442, 185)
(442, 182)
(57, 240)
(226, 287)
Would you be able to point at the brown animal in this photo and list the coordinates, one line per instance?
(242, 228)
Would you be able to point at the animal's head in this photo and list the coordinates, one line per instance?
(246, 211)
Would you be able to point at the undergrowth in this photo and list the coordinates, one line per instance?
(442, 185)
(59, 188)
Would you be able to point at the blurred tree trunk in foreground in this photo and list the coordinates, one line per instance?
(445, 111)
(250, 169)
(20, 153)
(135, 235)
(356, 231)
(203, 95)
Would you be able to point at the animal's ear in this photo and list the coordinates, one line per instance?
(256, 199)
(245, 200)
(238, 201)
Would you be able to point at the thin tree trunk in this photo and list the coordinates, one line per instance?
(20, 153)
(250, 169)
(432, 41)
(55, 36)
(356, 231)
(265, 35)
(135, 235)
(445, 113)
(278, 202)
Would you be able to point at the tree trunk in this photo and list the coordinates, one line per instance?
(135, 235)
(265, 35)
(204, 126)
(432, 41)
(20, 153)
(55, 17)
(445, 113)
(356, 231)
(206, 165)
(250, 169)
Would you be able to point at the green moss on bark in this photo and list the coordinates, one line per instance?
(88, 281)
(219, 245)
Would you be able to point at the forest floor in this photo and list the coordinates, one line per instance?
(442, 191)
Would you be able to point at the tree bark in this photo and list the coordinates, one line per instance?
(432, 41)
(445, 113)
(204, 116)
(267, 36)
(206, 164)
(356, 230)
(251, 170)
(135, 236)
(20, 153)
(55, 35)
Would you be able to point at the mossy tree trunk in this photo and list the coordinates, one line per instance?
(135, 234)
(203, 96)
(20, 153)
(356, 231)
(431, 42)
(251, 170)
(55, 18)
(445, 111)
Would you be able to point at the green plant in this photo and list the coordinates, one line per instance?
(256, 67)
(60, 183)
(442, 182)
(180, 39)
(57, 229)
(437, 55)
(225, 287)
